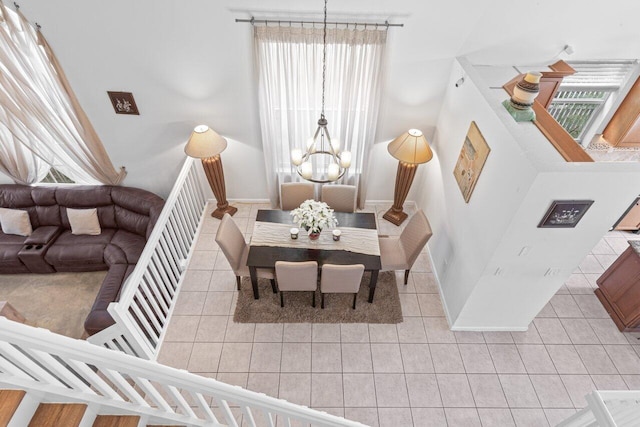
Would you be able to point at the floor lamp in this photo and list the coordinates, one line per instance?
(205, 144)
(411, 148)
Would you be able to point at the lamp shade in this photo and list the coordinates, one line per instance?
(411, 147)
(204, 142)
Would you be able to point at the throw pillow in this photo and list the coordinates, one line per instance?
(84, 221)
(15, 221)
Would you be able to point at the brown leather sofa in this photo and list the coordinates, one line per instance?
(127, 216)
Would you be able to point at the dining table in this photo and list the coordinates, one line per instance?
(271, 241)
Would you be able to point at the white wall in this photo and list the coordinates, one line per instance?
(465, 235)
(521, 177)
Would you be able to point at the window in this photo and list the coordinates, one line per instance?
(56, 177)
(584, 96)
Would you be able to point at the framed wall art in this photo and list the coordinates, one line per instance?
(565, 213)
(471, 160)
(123, 103)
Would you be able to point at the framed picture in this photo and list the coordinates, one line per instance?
(565, 213)
(123, 103)
(471, 160)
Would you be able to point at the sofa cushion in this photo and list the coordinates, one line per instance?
(131, 244)
(84, 221)
(131, 221)
(84, 196)
(10, 245)
(99, 318)
(114, 255)
(79, 253)
(49, 215)
(15, 221)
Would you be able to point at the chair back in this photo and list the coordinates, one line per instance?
(297, 276)
(340, 198)
(231, 241)
(415, 235)
(292, 194)
(341, 278)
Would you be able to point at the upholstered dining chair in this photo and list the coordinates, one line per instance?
(297, 276)
(340, 198)
(341, 279)
(235, 249)
(399, 253)
(292, 194)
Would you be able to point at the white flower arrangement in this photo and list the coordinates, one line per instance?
(314, 216)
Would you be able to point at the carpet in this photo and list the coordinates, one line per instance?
(297, 305)
(59, 302)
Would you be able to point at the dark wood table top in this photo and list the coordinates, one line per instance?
(266, 256)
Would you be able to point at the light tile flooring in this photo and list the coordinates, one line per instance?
(417, 373)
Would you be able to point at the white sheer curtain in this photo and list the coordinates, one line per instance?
(289, 63)
(42, 123)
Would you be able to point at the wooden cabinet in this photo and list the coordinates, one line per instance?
(623, 129)
(631, 219)
(619, 291)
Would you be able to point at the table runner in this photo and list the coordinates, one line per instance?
(358, 240)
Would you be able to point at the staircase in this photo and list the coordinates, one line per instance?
(47, 379)
(16, 411)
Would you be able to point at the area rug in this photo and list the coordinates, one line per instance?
(338, 307)
(59, 302)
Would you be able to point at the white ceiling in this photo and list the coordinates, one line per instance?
(188, 61)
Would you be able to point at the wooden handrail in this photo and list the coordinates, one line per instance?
(568, 148)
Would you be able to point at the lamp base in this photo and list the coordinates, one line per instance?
(404, 178)
(219, 212)
(215, 175)
(527, 115)
(394, 217)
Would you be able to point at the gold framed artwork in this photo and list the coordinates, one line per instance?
(471, 160)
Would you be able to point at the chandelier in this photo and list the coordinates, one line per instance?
(321, 150)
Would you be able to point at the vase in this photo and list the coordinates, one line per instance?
(524, 94)
(314, 236)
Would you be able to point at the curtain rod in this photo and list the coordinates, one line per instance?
(254, 21)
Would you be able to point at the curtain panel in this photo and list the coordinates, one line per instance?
(41, 122)
(289, 67)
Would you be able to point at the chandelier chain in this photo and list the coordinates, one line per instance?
(324, 55)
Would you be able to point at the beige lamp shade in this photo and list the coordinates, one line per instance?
(411, 147)
(204, 142)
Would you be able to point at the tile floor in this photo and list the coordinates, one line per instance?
(417, 373)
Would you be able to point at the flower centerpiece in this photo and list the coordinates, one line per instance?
(314, 216)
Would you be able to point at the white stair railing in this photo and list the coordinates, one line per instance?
(607, 409)
(148, 296)
(68, 370)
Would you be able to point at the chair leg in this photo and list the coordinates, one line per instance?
(322, 300)
(273, 286)
(238, 282)
(406, 277)
(281, 299)
(354, 300)
(313, 301)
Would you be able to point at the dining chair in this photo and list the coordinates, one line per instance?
(292, 194)
(340, 198)
(340, 279)
(399, 253)
(235, 249)
(297, 276)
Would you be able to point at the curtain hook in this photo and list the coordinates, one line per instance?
(38, 26)
(16, 5)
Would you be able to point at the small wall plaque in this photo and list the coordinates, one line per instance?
(123, 103)
(565, 213)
